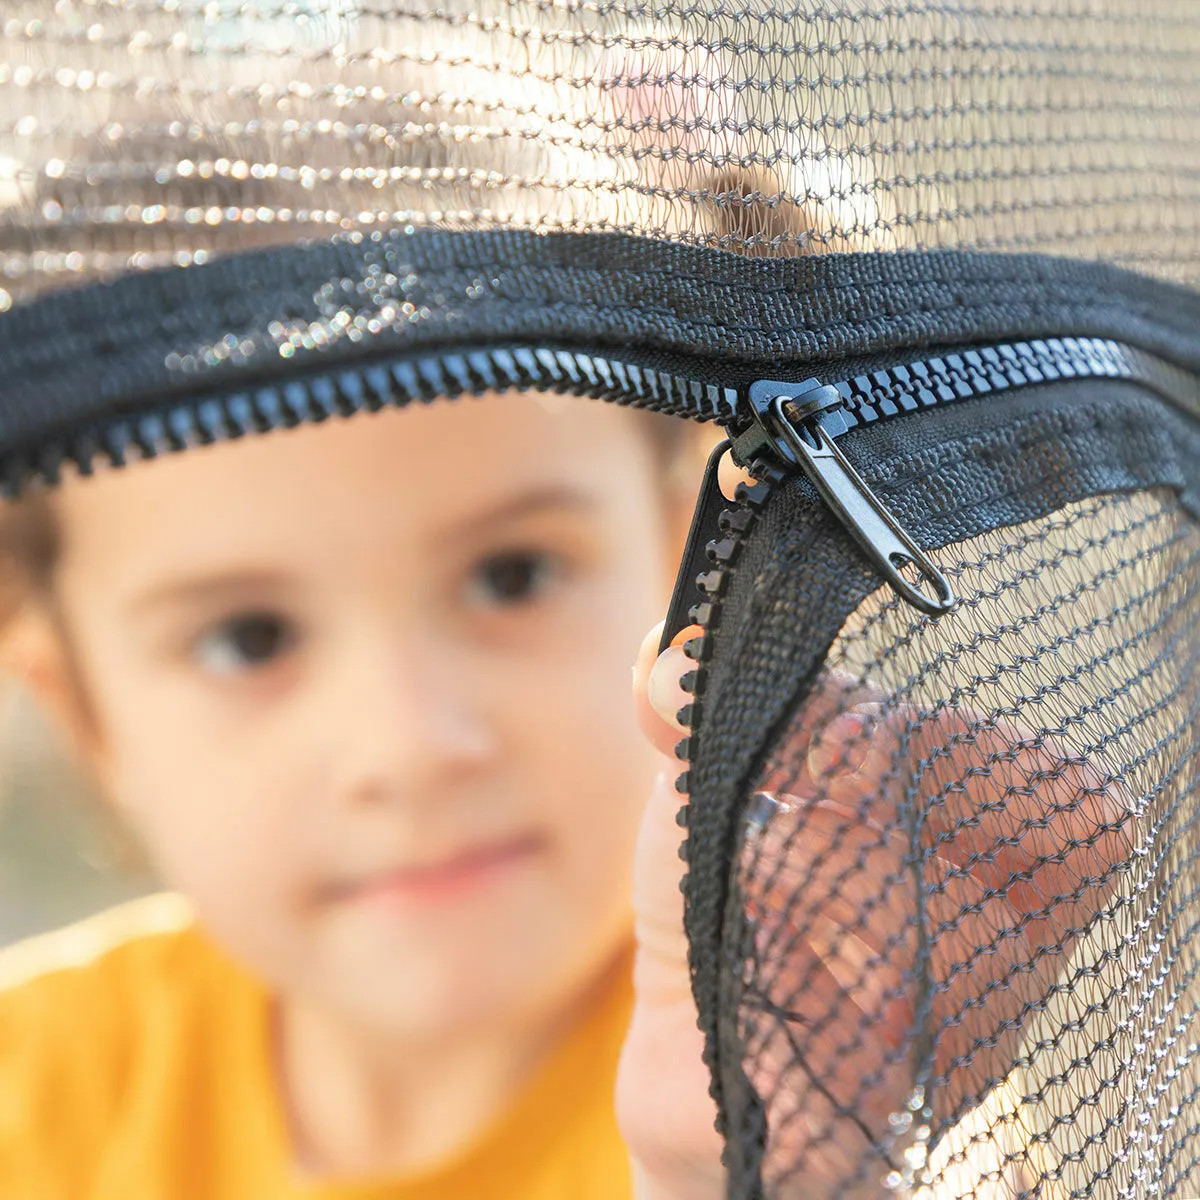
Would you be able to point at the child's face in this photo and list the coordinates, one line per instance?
(363, 689)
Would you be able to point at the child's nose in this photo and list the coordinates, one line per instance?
(406, 723)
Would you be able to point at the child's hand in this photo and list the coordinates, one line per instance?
(1017, 852)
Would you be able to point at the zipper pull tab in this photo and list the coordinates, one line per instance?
(807, 443)
(705, 527)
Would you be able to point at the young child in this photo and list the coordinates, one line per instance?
(359, 690)
(367, 710)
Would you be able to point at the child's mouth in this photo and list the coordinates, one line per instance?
(443, 879)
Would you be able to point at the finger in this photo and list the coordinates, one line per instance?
(860, 756)
(729, 475)
(991, 805)
(830, 841)
(836, 726)
(657, 691)
(833, 904)
(664, 1107)
(817, 879)
(817, 856)
(1034, 822)
(1011, 806)
(836, 873)
(661, 969)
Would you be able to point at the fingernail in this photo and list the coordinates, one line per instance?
(662, 688)
(761, 808)
(648, 649)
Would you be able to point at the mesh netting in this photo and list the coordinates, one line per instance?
(968, 879)
(142, 133)
(954, 937)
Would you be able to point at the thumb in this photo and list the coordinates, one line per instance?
(663, 1104)
(661, 969)
(664, 1108)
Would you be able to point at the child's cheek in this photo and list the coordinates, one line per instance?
(213, 831)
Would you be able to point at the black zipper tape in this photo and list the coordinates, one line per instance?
(314, 398)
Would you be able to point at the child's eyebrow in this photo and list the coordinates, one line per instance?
(241, 584)
(530, 504)
(231, 585)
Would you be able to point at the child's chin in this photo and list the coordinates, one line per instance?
(464, 987)
(517, 953)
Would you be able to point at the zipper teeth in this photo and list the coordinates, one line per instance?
(909, 387)
(433, 376)
(867, 398)
(736, 524)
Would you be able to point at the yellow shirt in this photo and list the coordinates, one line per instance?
(135, 1065)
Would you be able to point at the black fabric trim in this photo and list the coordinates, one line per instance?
(138, 342)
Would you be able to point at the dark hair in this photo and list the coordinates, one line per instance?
(29, 546)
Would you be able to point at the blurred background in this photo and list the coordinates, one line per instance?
(62, 856)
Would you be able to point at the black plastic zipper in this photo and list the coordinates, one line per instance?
(787, 427)
(436, 374)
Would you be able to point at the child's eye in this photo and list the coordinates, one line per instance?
(512, 578)
(245, 642)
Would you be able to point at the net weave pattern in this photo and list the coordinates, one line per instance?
(969, 863)
(959, 950)
(143, 133)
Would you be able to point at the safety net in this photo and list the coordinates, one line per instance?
(932, 264)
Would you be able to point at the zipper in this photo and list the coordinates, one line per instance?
(788, 427)
(783, 427)
(793, 415)
(442, 374)
(435, 375)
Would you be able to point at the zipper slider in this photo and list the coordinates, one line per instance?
(804, 441)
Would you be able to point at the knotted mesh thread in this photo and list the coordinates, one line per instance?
(958, 950)
(143, 133)
(969, 954)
